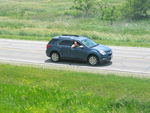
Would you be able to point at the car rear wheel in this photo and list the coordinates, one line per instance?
(55, 57)
(93, 60)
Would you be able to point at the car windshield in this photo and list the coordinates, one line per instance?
(89, 43)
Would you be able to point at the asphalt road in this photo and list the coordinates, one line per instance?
(125, 59)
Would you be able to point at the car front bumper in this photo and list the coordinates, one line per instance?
(106, 58)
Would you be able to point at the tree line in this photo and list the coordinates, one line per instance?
(130, 9)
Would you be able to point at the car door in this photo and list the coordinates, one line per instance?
(79, 53)
(65, 48)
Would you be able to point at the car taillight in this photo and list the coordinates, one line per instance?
(48, 46)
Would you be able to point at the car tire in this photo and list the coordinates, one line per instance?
(55, 57)
(93, 60)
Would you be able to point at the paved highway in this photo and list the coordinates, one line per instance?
(125, 59)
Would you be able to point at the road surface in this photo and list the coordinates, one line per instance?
(125, 59)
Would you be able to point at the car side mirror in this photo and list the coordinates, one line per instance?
(81, 46)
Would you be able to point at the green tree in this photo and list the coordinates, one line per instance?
(107, 11)
(110, 15)
(84, 6)
(101, 8)
(136, 9)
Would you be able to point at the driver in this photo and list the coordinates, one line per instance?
(75, 44)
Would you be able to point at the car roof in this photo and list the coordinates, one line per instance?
(70, 37)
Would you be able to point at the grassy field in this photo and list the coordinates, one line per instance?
(43, 19)
(37, 90)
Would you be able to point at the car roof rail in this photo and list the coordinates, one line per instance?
(70, 35)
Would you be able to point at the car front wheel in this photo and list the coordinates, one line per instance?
(55, 57)
(93, 60)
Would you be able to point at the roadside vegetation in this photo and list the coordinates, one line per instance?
(108, 22)
(38, 90)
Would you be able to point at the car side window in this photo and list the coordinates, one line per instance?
(75, 44)
(66, 43)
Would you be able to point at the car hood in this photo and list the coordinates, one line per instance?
(102, 47)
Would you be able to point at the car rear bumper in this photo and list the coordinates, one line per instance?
(47, 53)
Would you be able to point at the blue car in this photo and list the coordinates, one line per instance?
(74, 47)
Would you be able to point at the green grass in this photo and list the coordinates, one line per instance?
(38, 90)
(43, 19)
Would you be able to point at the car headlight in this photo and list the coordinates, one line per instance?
(102, 52)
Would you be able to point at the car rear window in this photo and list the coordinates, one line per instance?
(53, 41)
